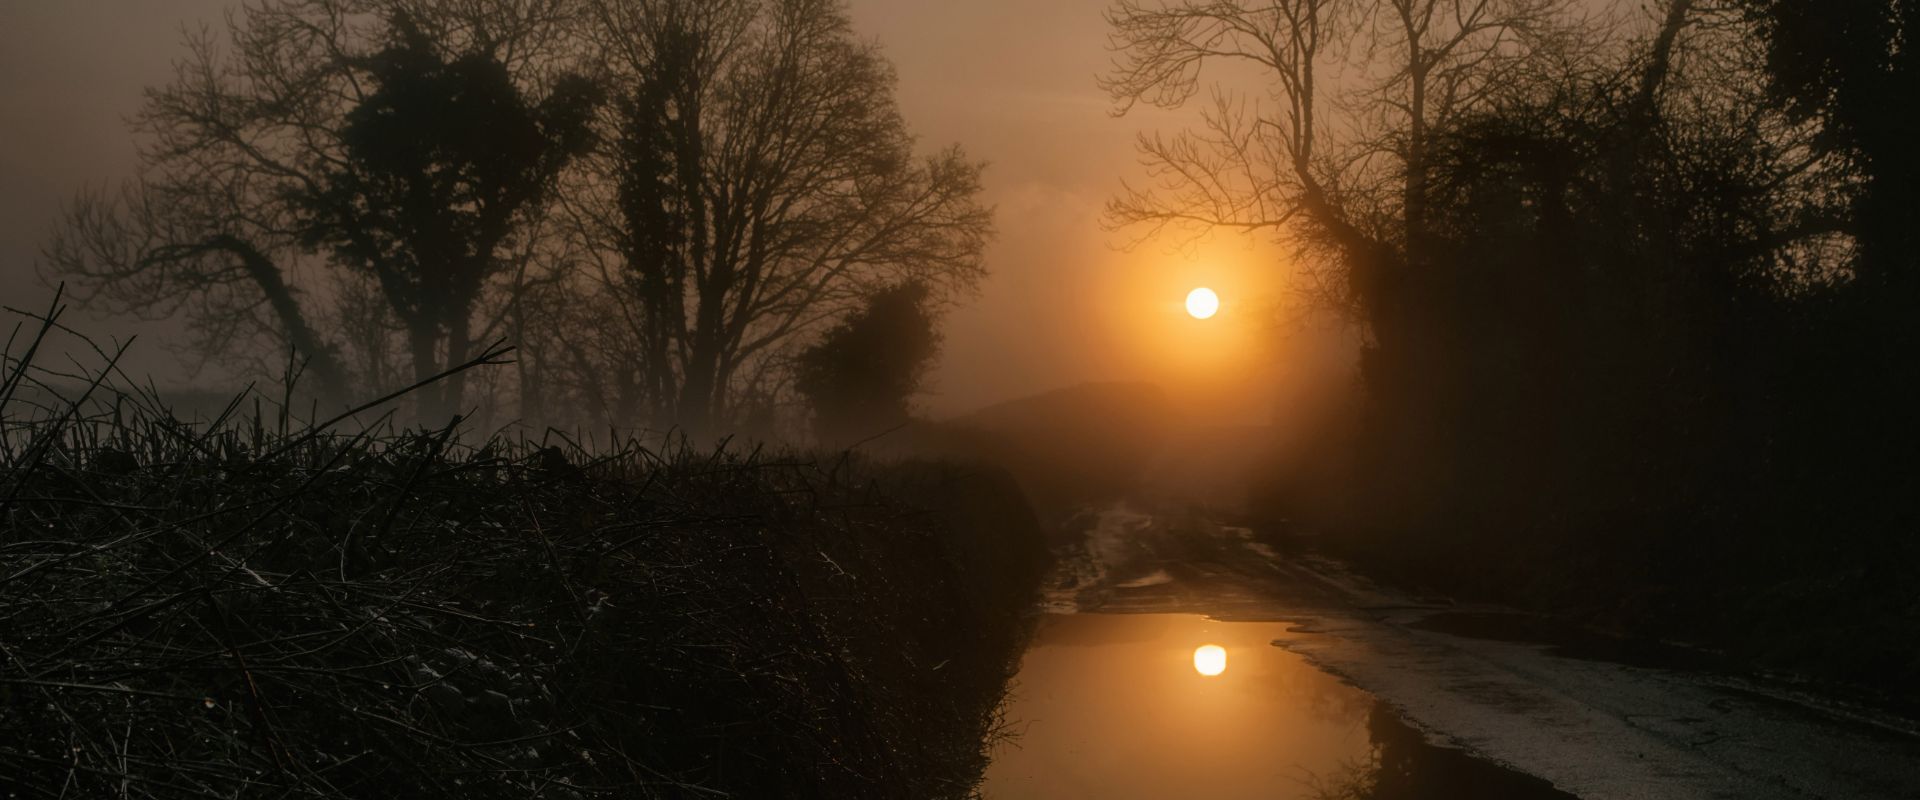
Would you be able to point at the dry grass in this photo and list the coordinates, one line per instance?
(255, 606)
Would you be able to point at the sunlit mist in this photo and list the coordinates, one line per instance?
(1210, 660)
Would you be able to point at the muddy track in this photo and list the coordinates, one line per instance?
(1600, 722)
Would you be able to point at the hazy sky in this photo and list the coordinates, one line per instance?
(1011, 80)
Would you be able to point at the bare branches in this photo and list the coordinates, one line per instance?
(218, 611)
(1341, 84)
(761, 183)
(232, 220)
(751, 178)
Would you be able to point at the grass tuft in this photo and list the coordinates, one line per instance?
(256, 606)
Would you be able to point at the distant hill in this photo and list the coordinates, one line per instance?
(1070, 446)
(1212, 465)
(1087, 405)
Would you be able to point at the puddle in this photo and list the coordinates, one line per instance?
(1170, 705)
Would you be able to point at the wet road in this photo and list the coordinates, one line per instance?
(1493, 684)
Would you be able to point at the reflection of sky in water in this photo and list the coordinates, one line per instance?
(1110, 706)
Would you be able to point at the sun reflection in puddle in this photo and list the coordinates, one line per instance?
(1108, 706)
(1114, 706)
(1210, 659)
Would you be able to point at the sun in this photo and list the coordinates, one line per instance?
(1202, 303)
(1210, 660)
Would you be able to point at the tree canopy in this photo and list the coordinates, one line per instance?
(657, 201)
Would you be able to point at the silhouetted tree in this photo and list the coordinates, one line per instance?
(1850, 69)
(760, 183)
(307, 152)
(1627, 354)
(1848, 72)
(1609, 259)
(860, 377)
(1340, 159)
(438, 165)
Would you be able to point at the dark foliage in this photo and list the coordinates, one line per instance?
(763, 183)
(382, 185)
(1849, 68)
(252, 608)
(861, 375)
(1653, 369)
(441, 160)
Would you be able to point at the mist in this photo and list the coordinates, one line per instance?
(882, 398)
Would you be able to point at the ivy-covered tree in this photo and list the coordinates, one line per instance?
(439, 165)
(327, 164)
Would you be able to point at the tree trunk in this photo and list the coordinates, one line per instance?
(423, 338)
(530, 368)
(459, 349)
(1414, 199)
(695, 405)
(321, 359)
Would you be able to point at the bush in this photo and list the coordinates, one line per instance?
(221, 610)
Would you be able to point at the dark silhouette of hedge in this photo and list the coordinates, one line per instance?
(254, 607)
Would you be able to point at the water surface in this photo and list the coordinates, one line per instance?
(1117, 706)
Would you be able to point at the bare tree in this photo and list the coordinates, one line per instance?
(270, 160)
(167, 245)
(367, 182)
(759, 182)
(1337, 151)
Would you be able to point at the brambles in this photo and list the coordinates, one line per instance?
(252, 607)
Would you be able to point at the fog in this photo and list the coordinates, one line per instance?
(1067, 301)
(768, 398)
